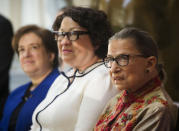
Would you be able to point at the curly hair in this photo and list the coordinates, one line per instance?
(96, 23)
(45, 35)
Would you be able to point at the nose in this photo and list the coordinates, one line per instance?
(26, 53)
(114, 67)
(64, 41)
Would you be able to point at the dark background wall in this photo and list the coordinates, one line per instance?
(160, 19)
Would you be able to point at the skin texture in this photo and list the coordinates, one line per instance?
(132, 76)
(79, 53)
(34, 59)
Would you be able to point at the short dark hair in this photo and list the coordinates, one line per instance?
(94, 21)
(45, 35)
(144, 43)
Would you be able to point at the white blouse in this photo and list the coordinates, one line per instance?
(75, 106)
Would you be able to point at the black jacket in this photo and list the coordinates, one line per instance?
(6, 55)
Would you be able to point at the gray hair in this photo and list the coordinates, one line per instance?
(144, 43)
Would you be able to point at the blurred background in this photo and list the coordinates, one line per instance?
(158, 17)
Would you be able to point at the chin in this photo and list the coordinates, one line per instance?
(29, 71)
(67, 58)
(120, 87)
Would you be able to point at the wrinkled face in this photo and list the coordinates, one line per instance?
(34, 59)
(131, 76)
(77, 53)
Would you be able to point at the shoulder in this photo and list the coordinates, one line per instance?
(162, 105)
(16, 95)
(4, 20)
(102, 69)
(5, 23)
(59, 84)
(158, 97)
(153, 102)
(55, 72)
(51, 77)
(100, 73)
(19, 90)
(98, 84)
(156, 106)
(99, 78)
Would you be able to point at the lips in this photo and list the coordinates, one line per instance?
(66, 51)
(118, 78)
(28, 62)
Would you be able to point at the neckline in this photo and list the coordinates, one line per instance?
(77, 73)
(89, 69)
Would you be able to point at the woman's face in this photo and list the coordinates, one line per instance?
(34, 59)
(78, 53)
(133, 75)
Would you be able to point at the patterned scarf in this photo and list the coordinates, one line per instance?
(116, 109)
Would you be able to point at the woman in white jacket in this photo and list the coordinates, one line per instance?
(76, 98)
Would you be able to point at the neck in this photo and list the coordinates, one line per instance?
(36, 80)
(148, 86)
(146, 79)
(91, 62)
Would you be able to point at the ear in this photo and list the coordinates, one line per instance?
(151, 63)
(51, 57)
(96, 47)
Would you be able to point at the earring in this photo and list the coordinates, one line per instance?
(147, 71)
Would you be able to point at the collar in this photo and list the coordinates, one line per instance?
(129, 97)
(77, 73)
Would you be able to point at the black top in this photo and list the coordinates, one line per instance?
(15, 113)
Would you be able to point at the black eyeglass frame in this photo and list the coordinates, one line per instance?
(69, 34)
(106, 60)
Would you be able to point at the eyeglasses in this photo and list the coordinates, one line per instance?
(121, 60)
(72, 36)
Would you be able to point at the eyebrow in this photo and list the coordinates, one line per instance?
(116, 56)
(109, 56)
(72, 28)
(35, 43)
(31, 44)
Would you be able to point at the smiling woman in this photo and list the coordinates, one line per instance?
(38, 56)
(77, 97)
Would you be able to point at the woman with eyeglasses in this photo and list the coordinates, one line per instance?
(38, 55)
(77, 97)
(142, 103)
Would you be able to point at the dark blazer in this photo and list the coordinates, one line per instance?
(6, 55)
